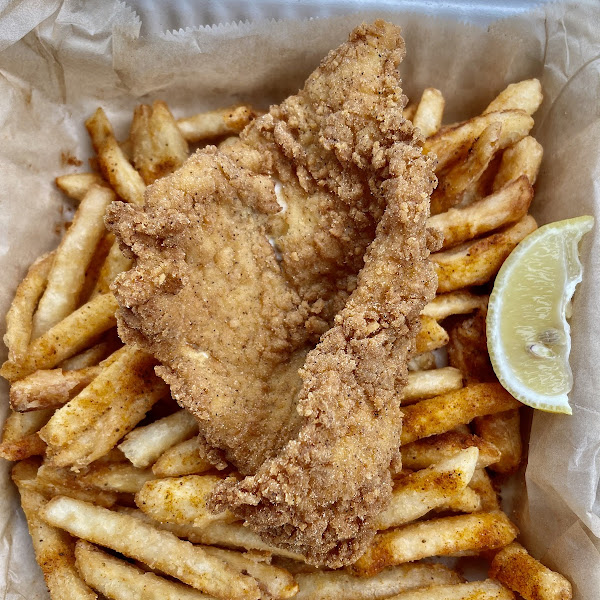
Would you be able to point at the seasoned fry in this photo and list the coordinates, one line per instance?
(428, 116)
(115, 167)
(409, 111)
(92, 423)
(73, 334)
(524, 158)
(428, 451)
(475, 263)
(475, 590)
(52, 481)
(19, 318)
(216, 123)
(517, 570)
(425, 361)
(119, 580)
(119, 477)
(467, 349)
(158, 147)
(482, 484)
(54, 552)
(437, 537)
(431, 336)
(434, 382)
(67, 274)
(455, 183)
(414, 495)
(503, 430)
(77, 185)
(508, 205)
(461, 302)
(276, 582)
(20, 437)
(158, 549)
(217, 533)
(145, 444)
(525, 95)
(49, 388)
(465, 501)
(94, 355)
(94, 267)
(181, 500)
(184, 458)
(337, 585)
(452, 143)
(114, 264)
(443, 413)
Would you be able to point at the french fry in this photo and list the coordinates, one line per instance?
(414, 495)
(92, 423)
(437, 537)
(430, 450)
(524, 158)
(456, 182)
(94, 355)
(54, 552)
(72, 335)
(116, 262)
(474, 590)
(158, 146)
(425, 361)
(181, 500)
(427, 384)
(216, 533)
(274, 581)
(460, 302)
(336, 585)
(119, 580)
(49, 388)
(507, 205)
(451, 143)
(77, 185)
(475, 263)
(518, 570)
(67, 274)
(184, 458)
(120, 477)
(482, 484)
(19, 318)
(50, 481)
(94, 267)
(156, 548)
(20, 437)
(428, 116)
(431, 335)
(113, 163)
(409, 111)
(443, 413)
(216, 123)
(465, 501)
(503, 430)
(144, 445)
(467, 349)
(525, 95)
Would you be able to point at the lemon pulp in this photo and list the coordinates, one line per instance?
(527, 329)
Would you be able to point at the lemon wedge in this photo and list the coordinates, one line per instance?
(527, 330)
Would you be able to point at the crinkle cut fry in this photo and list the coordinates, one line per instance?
(349, 397)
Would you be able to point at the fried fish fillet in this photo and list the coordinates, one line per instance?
(232, 317)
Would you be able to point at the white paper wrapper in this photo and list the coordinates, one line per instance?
(59, 61)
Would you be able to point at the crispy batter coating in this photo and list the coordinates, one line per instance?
(231, 318)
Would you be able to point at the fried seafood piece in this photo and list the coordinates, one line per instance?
(231, 318)
(208, 300)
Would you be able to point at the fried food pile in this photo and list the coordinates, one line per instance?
(279, 282)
